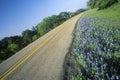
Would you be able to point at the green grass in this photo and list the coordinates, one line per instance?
(117, 55)
(111, 13)
(107, 18)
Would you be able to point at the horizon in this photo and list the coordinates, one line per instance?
(17, 16)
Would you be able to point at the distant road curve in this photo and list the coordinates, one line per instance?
(43, 59)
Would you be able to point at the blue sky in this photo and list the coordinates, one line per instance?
(18, 15)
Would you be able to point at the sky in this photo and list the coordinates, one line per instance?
(19, 15)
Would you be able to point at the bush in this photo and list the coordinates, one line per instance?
(101, 4)
(107, 3)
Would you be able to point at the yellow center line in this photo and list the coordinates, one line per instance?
(28, 55)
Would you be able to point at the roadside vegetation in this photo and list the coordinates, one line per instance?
(95, 51)
(11, 45)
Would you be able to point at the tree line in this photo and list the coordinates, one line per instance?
(101, 4)
(11, 45)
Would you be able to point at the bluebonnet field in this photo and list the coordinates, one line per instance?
(97, 47)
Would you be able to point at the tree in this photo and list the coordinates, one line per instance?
(101, 4)
(51, 22)
(34, 37)
(9, 46)
(63, 16)
(41, 28)
(107, 3)
(13, 47)
(27, 36)
(79, 11)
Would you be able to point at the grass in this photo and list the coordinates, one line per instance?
(97, 37)
(111, 13)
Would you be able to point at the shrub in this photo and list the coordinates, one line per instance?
(101, 4)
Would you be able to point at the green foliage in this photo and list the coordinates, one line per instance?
(111, 13)
(92, 3)
(107, 3)
(13, 47)
(101, 4)
(10, 45)
(97, 45)
(9, 40)
(79, 11)
(41, 28)
(51, 22)
(63, 16)
(27, 36)
(117, 54)
(3, 55)
(34, 37)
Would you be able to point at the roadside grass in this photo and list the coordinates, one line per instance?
(96, 46)
(110, 17)
(112, 13)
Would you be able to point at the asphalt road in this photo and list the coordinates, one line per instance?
(43, 59)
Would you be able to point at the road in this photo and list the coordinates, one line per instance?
(43, 59)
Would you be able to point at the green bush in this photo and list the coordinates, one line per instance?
(101, 4)
(107, 3)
